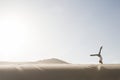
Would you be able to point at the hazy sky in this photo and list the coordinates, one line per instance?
(66, 29)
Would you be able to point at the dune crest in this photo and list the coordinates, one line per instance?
(44, 61)
(52, 61)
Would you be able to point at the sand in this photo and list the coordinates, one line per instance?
(56, 69)
(59, 72)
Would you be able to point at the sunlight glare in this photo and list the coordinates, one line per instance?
(12, 36)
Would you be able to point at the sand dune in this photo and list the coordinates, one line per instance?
(52, 61)
(59, 71)
(45, 61)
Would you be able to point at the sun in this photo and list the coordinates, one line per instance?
(12, 36)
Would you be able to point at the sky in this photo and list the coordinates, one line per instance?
(70, 30)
